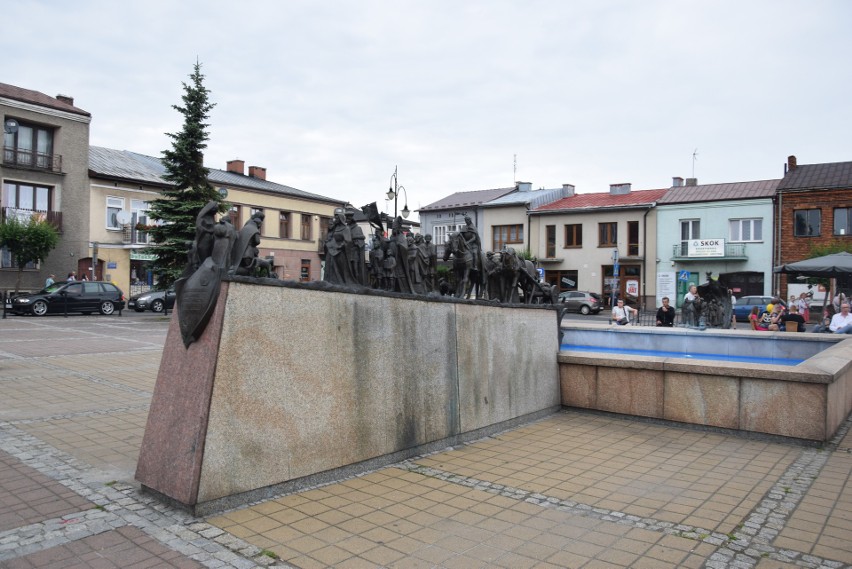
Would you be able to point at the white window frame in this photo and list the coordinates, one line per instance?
(440, 233)
(114, 205)
(736, 229)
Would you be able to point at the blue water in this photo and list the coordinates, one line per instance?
(661, 354)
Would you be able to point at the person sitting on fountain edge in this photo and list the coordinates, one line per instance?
(665, 314)
(621, 313)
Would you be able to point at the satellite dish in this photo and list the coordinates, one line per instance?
(123, 217)
(10, 126)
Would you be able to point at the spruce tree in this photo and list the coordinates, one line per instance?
(184, 162)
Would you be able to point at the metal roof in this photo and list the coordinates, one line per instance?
(818, 176)
(467, 199)
(719, 192)
(134, 167)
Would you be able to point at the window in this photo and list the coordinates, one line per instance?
(607, 234)
(746, 229)
(306, 227)
(305, 271)
(139, 209)
(502, 235)
(234, 215)
(689, 229)
(574, 235)
(114, 206)
(441, 232)
(633, 238)
(550, 238)
(255, 210)
(842, 220)
(8, 262)
(324, 222)
(806, 222)
(31, 146)
(284, 225)
(27, 197)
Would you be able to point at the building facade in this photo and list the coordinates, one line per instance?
(600, 242)
(813, 210)
(45, 173)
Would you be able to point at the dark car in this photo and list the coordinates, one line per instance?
(582, 302)
(153, 300)
(75, 296)
(746, 303)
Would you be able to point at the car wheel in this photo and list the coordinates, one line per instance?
(157, 306)
(107, 308)
(39, 308)
(584, 309)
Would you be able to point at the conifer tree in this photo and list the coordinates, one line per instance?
(184, 162)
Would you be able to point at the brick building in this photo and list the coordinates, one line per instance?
(813, 208)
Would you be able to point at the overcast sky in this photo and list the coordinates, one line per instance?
(330, 96)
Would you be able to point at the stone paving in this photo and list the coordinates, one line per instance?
(572, 490)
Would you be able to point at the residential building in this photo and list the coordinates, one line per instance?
(813, 209)
(600, 242)
(719, 229)
(44, 173)
(446, 215)
(506, 218)
(124, 183)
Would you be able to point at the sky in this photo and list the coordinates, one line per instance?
(456, 95)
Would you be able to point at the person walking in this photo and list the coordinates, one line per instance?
(49, 280)
(72, 276)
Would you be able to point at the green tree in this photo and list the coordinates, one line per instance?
(184, 162)
(28, 242)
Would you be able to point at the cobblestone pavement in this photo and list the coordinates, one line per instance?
(572, 490)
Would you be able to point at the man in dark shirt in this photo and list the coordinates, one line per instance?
(665, 314)
(793, 318)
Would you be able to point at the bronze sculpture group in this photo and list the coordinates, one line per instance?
(408, 263)
(218, 249)
(709, 306)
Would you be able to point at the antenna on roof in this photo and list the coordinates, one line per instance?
(694, 158)
(515, 169)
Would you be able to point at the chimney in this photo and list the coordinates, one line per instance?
(70, 100)
(791, 163)
(567, 190)
(677, 182)
(236, 166)
(257, 172)
(523, 186)
(619, 189)
(692, 181)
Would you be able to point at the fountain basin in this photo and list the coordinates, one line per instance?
(809, 400)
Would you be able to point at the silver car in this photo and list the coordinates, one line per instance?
(581, 301)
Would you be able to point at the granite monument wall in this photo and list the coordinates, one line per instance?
(291, 386)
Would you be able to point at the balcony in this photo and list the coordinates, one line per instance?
(733, 252)
(24, 215)
(31, 160)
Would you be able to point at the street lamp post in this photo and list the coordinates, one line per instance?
(393, 194)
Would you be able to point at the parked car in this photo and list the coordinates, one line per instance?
(75, 296)
(153, 300)
(581, 301)
(746, 303)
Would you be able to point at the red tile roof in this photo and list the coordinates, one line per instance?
(36, 98)
(604, 200)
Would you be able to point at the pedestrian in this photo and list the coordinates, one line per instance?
(72, 276)
(49, 280)
(841, 323)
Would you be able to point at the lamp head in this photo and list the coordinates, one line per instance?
(405, 211)
(391, 194)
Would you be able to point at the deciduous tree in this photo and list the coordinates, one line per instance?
(28, 241)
